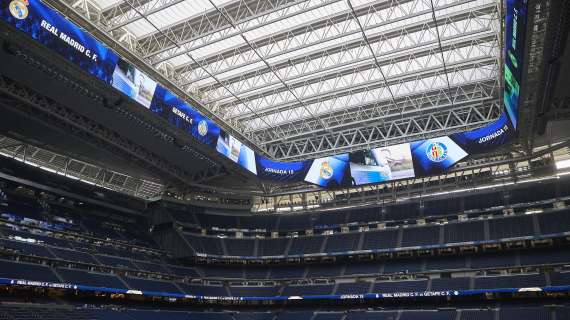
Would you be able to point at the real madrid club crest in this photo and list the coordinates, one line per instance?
(326, 170)
(202, 127)
(436, 151)
(19, 9)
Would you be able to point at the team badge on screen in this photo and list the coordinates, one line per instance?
(436, 151)
(326, 170)
(202, 127)
(19, 9)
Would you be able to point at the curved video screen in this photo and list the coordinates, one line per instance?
(414, 159)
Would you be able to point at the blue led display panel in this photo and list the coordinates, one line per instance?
(60, 35)
(419, 158)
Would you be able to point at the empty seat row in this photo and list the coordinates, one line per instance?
(430, 235)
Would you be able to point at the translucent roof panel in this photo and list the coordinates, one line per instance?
(281, 70)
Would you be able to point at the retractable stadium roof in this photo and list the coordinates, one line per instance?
(306, 78)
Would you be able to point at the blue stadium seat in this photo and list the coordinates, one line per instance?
(240, 247)
(353, 288)
(380, 239)
(463, 231)
(324, 271)
(157, 315)
(342, 242)
(306, 245)
(116, 262)
(535, 313)
(295, 315)
(151, 285)
(428, 315)
(91, 278)
(74, 255)
(307, 290)
(400, 286)
(445, 284)
(421, 236)
(446, 263)
(287, 272)
(26, 248)
(372, 315)
(555, 222)
(252, 291)
(253, 316)
(184, 272)
(294, 222)
(477, 314)
(256, 272)
(402, 266)
(560, 278)
(26, 271)
(511, 227)
(203, 290)
(150, 267)
(511, 281)
(361, 268)
(328, 316)
(272, 247)
(494, 260)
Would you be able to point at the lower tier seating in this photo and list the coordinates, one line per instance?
(55, 312)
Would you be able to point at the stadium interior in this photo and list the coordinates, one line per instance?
(284, 159)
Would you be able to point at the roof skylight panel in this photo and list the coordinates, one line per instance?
(296, 21)
(107, 4)
(140, 28)
(245, 24)
(381, 96)
(180, 60)
(180, 12)
(218, 47)
(331, 63)
(391, 70)
(421, 81)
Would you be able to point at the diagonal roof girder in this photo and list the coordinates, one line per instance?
(380, 112)
(265, 104)
(383, 110)
(337, 54)
(130, 11)
(285, 85)
(241, 56)
(350, 122)
(390, 133)
(201, 31)
(373, 112)
(264, 83)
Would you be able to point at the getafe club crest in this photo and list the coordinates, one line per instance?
(326, 171)
(19, 9)
(202, 127)
(436, 151)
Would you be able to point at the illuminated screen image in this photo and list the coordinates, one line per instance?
(330, 171)
(381, 164)
(282, 171)
(54, 31)
(435, 155)
(177, 112)
(414, 159)
(134, 83)
(229, 146)
(246, 159)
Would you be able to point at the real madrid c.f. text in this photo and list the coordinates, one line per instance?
(19, 10)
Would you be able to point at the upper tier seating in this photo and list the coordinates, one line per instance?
(91, 278)
(499, 228)
(403, 211)
(21, 270)
(53, 312)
